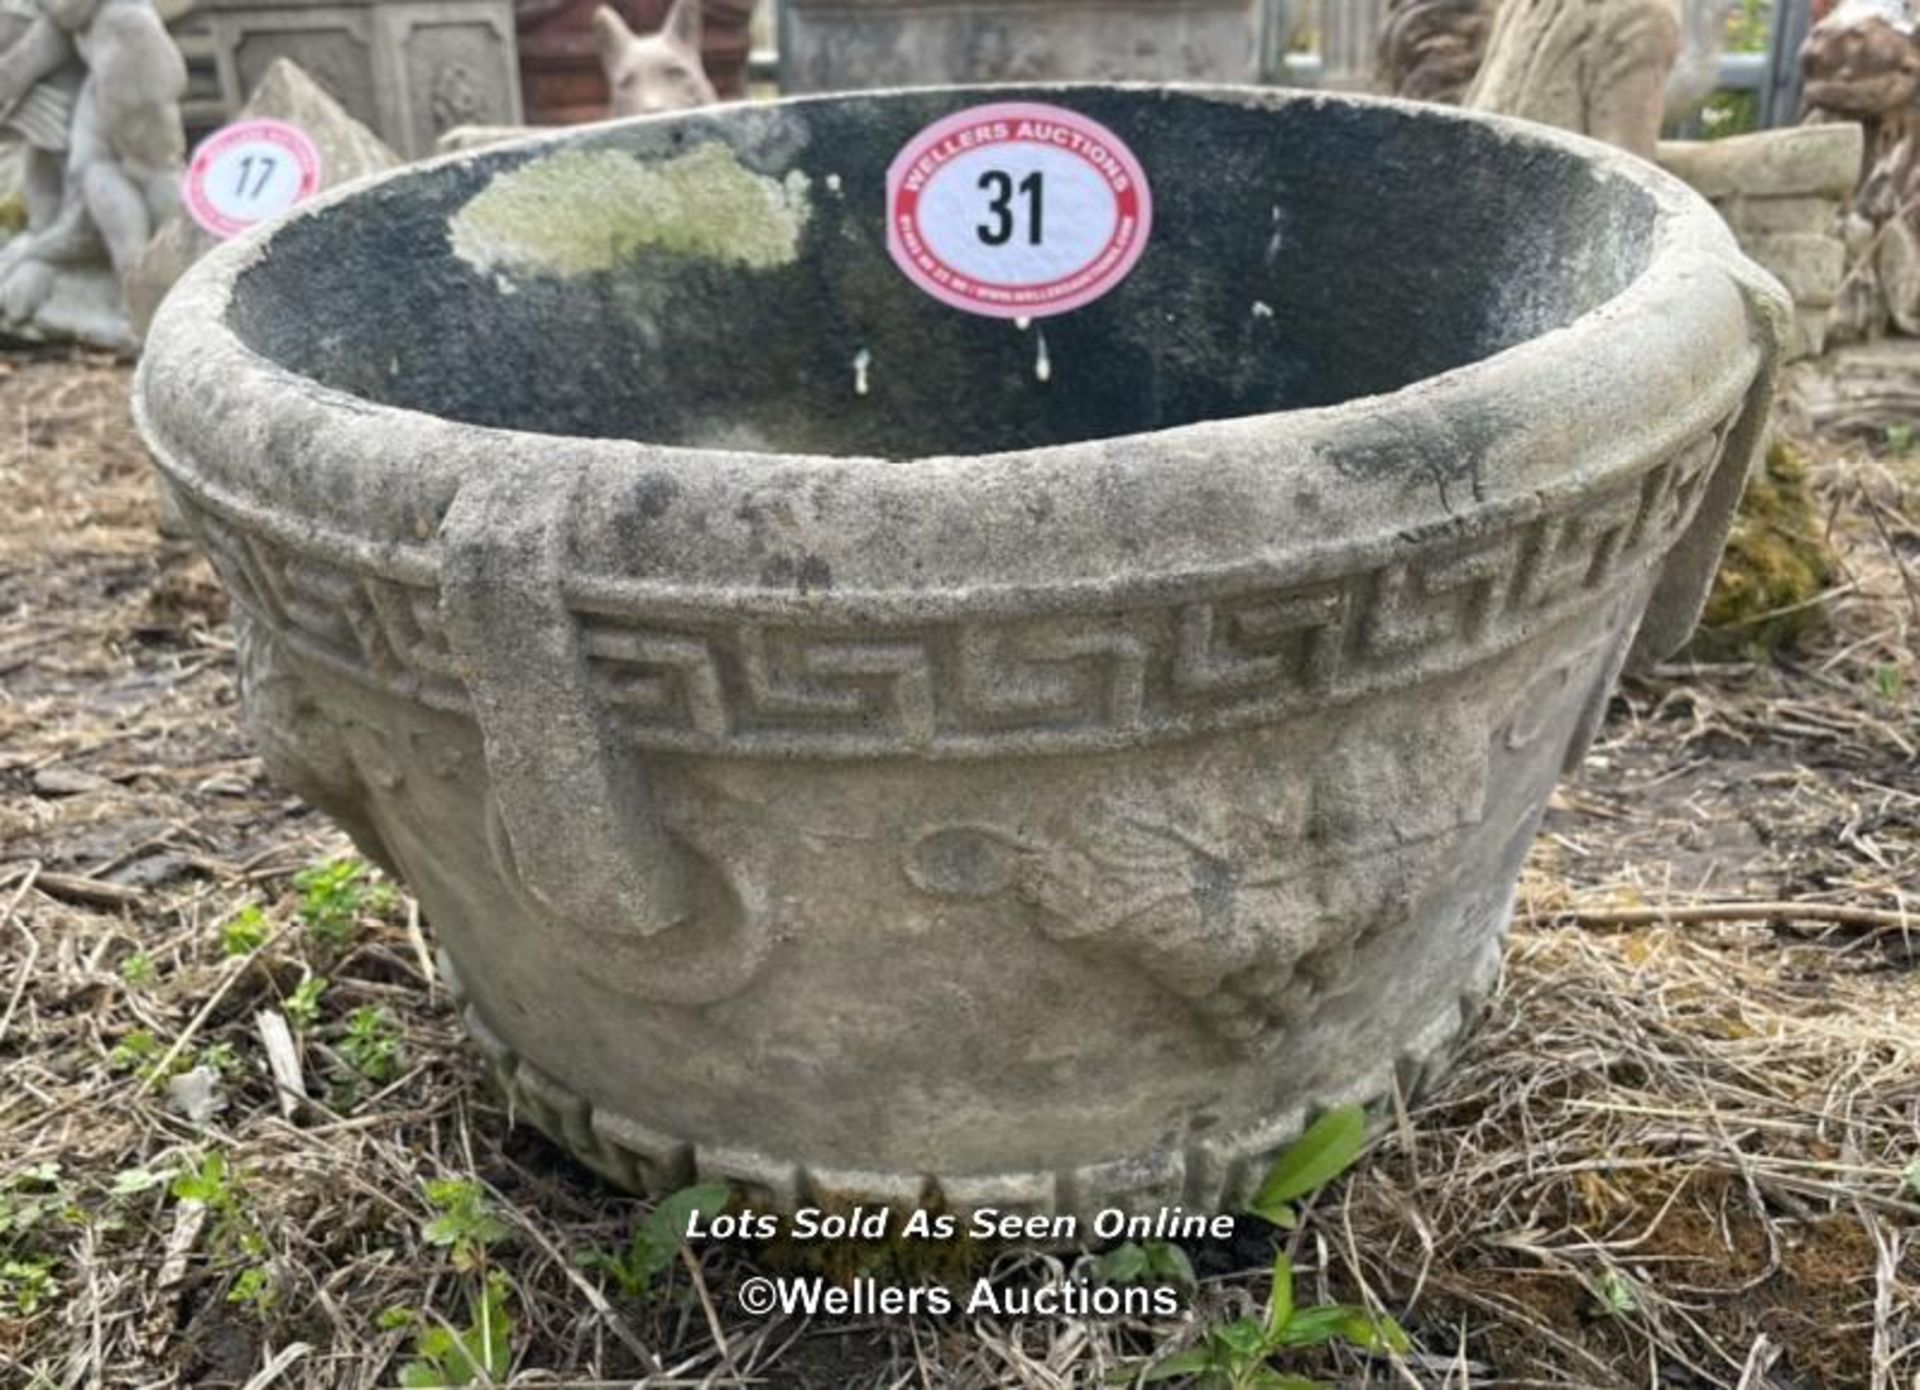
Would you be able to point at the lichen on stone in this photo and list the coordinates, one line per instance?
(1776, 564)
(581, 211)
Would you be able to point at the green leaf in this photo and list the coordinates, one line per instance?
(495, 1350)
(1170, 1262)
(206, 1184)
(1243, 1338)
(1280, 1305)
(245, 932)
(1913, 1177)
(1313, 1327)
(466, 1221)
(1323, 1153)
(1362, 1329)
(1267, 1379)
(668, 1221)
(1123, 1264)
(1197, 1361)
(1280, 1214)
(437, 1344)
(1616, 1293)
(130, 1182)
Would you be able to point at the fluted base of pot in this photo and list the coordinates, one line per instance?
(1215, 1171)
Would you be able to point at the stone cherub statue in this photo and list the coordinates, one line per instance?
(661, 72)
(94, 88)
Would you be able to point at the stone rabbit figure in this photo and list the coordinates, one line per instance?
(661, 72)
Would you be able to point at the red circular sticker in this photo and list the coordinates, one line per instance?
(1017, 210)
(248, 172)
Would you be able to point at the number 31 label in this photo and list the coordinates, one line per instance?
(1017, 210)
(248, 172)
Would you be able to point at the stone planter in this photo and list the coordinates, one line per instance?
(1045, 792)
(847, 45)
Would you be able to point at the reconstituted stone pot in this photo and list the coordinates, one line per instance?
(974, 788)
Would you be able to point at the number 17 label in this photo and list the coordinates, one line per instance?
(1017, 210)
(248, 172)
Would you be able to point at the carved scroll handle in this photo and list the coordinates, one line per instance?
(584, 837)
(1688, 573)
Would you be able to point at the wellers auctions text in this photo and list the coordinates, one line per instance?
(866, 1297)
(985, 1224)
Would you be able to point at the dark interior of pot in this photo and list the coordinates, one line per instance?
(722, 279)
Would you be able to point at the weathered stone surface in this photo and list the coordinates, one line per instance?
(1809, 266)
(409, 70)
(1789, 216)
(1862, 64)
(1860, 60)
(1599, 67)
(1431, 50)
(348, 151)
(849, 45)
(1861, 390)
(93, 88)
(1810, 161)
(1784, 193)
(1897, 265)
(462, 139)
(1041, 791)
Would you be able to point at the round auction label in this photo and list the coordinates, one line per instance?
(248, 172)
(1017, 210)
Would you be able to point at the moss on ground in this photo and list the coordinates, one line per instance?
(1778, 561)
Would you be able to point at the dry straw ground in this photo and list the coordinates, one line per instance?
(1680, 1152)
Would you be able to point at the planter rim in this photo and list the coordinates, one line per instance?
(1677, 349)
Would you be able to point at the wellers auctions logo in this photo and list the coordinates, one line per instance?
(761, 1295)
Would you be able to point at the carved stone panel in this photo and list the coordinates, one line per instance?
(410, 71)
(338, 57)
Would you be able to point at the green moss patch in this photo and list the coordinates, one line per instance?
(581, 211)
(1776, 563)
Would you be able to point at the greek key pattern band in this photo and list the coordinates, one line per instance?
(1126, 674)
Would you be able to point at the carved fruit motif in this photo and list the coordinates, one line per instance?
(1252, 913)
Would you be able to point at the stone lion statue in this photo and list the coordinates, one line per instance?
(1862, 63)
